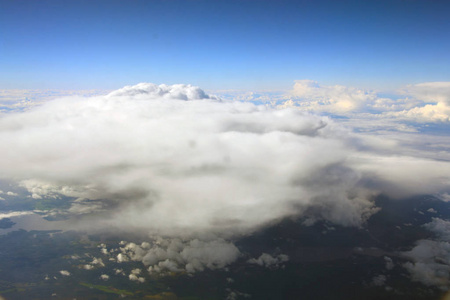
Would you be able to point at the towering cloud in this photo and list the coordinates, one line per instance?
(173, 160)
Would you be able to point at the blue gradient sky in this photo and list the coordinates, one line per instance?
(250, 45)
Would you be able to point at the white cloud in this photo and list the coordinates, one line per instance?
(20, 100)
(134, 277)
(175, 255)
(97, 261)
(119, 271)
(194, 165)
(64, 272)
(435, 92)
(104, 277)
(15, 214)
(431, 258)
(334, 99)
(440, 227)
(425, 102)
(266, 260)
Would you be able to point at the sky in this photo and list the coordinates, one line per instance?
(217, 45)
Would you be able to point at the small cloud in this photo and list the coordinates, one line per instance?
(266, 260)
(389, 263)
(97, 261)
(119, 271)
(134, 277)
(379, 280)
(122, 258)
(136, 271)
(104, 277)
(64, 273)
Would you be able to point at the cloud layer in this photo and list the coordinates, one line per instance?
(424, 102)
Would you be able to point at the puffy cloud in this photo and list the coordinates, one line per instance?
(431, 258)
(379, 280)
(97, 261)
(174, 161)
(104, 277)
(428, 113)
(64, 272)
(134, 276)
(175, 255)
(266, 260)
(152, 91)
(389, 263)
(335, 99)
(440, 227)
(434, 92)
(424, 102)
(196, 165)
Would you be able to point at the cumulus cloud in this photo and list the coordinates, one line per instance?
(174, 161)
(134, 275)
(64, 272)
(335, 99)
(379, 280)
(267, 260)
(431, 258)
(176, 255)
(104, 277)
(424, 102)
(434, 92)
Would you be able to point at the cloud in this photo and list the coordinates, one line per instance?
(174, 161)
(431, 258)
(14, 214)
(175, 255)
(104, 277)
(134, 275)
(434, 92)
(267, 260)
(64, 273)
(424, 102)
(379, 280)
(335, 99)
(22, 100)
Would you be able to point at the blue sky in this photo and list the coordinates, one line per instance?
(249, 45)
